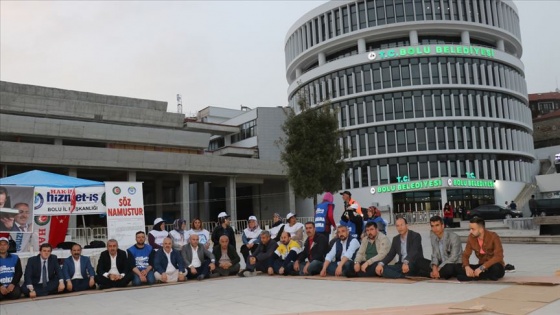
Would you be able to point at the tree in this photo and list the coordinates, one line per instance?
(311, 150)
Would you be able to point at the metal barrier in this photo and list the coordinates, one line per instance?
(79, 235)
(417, 217)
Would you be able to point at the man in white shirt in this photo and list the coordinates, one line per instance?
(168, 263)
(114, 267)
(21, 230)
(78, 271)
(199, 261)
(340, 258)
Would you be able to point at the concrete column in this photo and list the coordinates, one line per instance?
(257, 201)
(3, 171)
(413, 38)
(73, 172)
(73, 220)
(298, 72)
(361, 46)
(201, 203)
(184, 197)
(443, 199)
(322, 59)
(57, 141)
(291, 197)
(159, 198)
(465, 38)
(231, 198)
(131, 176)
(500, 45)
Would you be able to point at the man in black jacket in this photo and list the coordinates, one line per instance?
(408, 245)
(223, 229)
(314, 251)
(114, 268)
(260, 260)
(227, 259)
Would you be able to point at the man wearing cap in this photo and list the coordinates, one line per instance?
(199, 261)
(227, 258)
(78, 271)
(324, 215)
(168, 263)
(113, 267)
(340, 258)
(250, 237)
(10, 272)
(42, 274)
(294, 228)
(277, 227)
(142, 261)
(352, 216)
(224, 229)
(349, 202)
(157, 234)
(260, 261)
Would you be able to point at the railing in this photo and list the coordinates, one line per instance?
(417, 217)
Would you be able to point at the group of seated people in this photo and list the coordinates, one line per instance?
(280, 250)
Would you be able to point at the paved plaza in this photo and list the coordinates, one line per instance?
(295, 295)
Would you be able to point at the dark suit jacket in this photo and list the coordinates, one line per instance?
(318, 251)
(68, 268)
(232, 254)
(104, 263)
(202, 252)
(160, 261)
(33, 270)
(414, 251)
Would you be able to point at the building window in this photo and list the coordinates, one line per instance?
(248, 130)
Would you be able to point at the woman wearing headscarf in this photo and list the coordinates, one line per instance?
(179, 235)
(250, 237)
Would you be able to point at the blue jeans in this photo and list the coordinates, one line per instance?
(314, 268)
(151, 279)
(333, 265)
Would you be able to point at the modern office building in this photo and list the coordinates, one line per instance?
(112, 138)
(431, 98)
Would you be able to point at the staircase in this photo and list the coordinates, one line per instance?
(523, 198)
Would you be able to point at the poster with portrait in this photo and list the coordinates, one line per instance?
(16, 214)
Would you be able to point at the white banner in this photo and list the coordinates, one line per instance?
(69, 201)
(125, 211)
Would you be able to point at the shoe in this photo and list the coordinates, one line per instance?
(249, 273)
(240, 274)
(464, 278)
(199, 278)
(509, 268)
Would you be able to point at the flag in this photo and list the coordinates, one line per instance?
(58, 229)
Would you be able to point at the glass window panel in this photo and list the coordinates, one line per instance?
(431, 135)
(399, 111)
(389, 112)
(409, 10)
(411, 140)
(371, 143)
(380, 12)
(419, 6)
(450, 138)
(399, 10)
(390, 11)
(428, 106)
(408, 108)
(381, 143)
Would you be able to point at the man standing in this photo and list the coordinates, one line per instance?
(223, 229)
(373, 249)
(314, 251)
(227, 258)
(324, 215)
(354, 221)
(42, 274)
(199, 261)
(446, 251)
(284, 256)
(141, 258)
(349, 202)
(168, 263)
(408, 245)
(113, 267)
(339, 259)
(260, 261)
(78, 271)
(10, 272)
(487, 247)
(533, 206)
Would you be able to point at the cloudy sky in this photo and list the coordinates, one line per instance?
(214, 53)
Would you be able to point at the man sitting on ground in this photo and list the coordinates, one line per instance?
(78, 271)
(260, 261)
(142, 260)
(446, 250)
(113, 267)
(42, 274)
(10, 272)
(487, 247)
(168, 263)
(339, 259)
(408, 245)
(199, 261)
(284, 256)
(311, 259)
(227, 258)
(374, 247)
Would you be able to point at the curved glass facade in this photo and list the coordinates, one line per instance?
(423, 102)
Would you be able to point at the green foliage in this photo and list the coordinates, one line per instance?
(311, 150)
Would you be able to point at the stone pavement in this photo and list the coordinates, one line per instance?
(294, 295)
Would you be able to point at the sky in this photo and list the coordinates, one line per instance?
(213, 53)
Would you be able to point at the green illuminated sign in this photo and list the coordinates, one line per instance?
(404, 186)
(432, 50)
(476, 183)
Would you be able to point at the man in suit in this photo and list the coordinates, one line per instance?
(408, 245)
(446, 250)
(21, 229)
(78, 271)
(199, 261)
(314, 251)
(42, 274)
(113, 267)
(168, 263)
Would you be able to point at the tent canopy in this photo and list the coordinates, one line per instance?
(46, 179)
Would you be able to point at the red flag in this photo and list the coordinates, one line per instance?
(58, 229)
